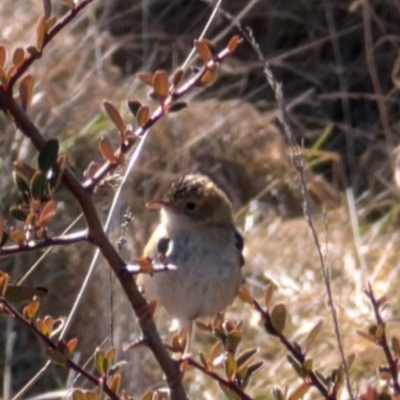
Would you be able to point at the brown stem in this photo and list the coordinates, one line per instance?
(47, 242)
(219, 379)
(48, 37)
(99, 238)
(68, 362)
(383, 342)
(298, 355)
(177, 93)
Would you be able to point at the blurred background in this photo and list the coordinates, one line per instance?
(339, 64)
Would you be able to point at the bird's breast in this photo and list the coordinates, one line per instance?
(207, 274)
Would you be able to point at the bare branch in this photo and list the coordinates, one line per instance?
(99, 238)
(46, 242)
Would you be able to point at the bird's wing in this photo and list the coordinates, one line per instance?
(158, 245)
(239, 243)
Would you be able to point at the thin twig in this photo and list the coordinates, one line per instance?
(63, 240)
(99, 238)
(383, 113)
(383, 342)
(159, 112)
(46, 252)
(298, 355)
(298, 161)
(230, 385)
(47, 38)
(68, 362)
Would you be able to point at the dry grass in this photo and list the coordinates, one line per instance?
(231, 132)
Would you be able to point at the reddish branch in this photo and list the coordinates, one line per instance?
(177, 93)
(383, 342)
(297, 354)
(82, 194)
(68, 362)
(99, 238)
(47, 38)
(230, 385)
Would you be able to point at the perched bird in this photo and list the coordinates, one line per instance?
(197, 236)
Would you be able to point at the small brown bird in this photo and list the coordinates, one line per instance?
(196, 235)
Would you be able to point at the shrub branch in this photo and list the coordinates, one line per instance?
(99, 238)
(63, 240)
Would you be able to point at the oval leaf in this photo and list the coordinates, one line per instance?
(278, 317)
(269, 291)
(134, 106)
(143, 115)
(110, 355)
(300, 392)
(214, 352)
(115, 382)
(177, 107)
(25, 91)
(18, 213)
(210, 76)
(18, 56)
(177, 77)
(4, 278)
(204, 50)
(30, 310)
(40, 33)
(50, 22)
(161, 85)
(38, 185)
(99, 360)
(246, 356)
(146, 78)
(48, 155)
(77, 394)
(234, 43)
(230, 366)
(48, 213)
(3, 56)
(245, 295)
(107, 152)
(313, 335)
(114, 115)
(72, 343)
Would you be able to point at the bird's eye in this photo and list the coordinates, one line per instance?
(190, 206)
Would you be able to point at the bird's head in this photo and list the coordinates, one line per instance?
(194, 200)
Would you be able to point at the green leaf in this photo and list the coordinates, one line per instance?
(300, 392)
(230, 366)
(296, 366)
(253, 368)
(134, 106)
(396, 345)
(245, 356)
(48, 155)
(278, 317)
(313, 335)
(18, 213)
(99, 358)
(4, 239)
(21, 183)
(278, 394)
(21, 294)
(38, 185)
(229, 393)
(55, 176)
(233, 339)
(177, 107)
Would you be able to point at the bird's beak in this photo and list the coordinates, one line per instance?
(156, 204)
